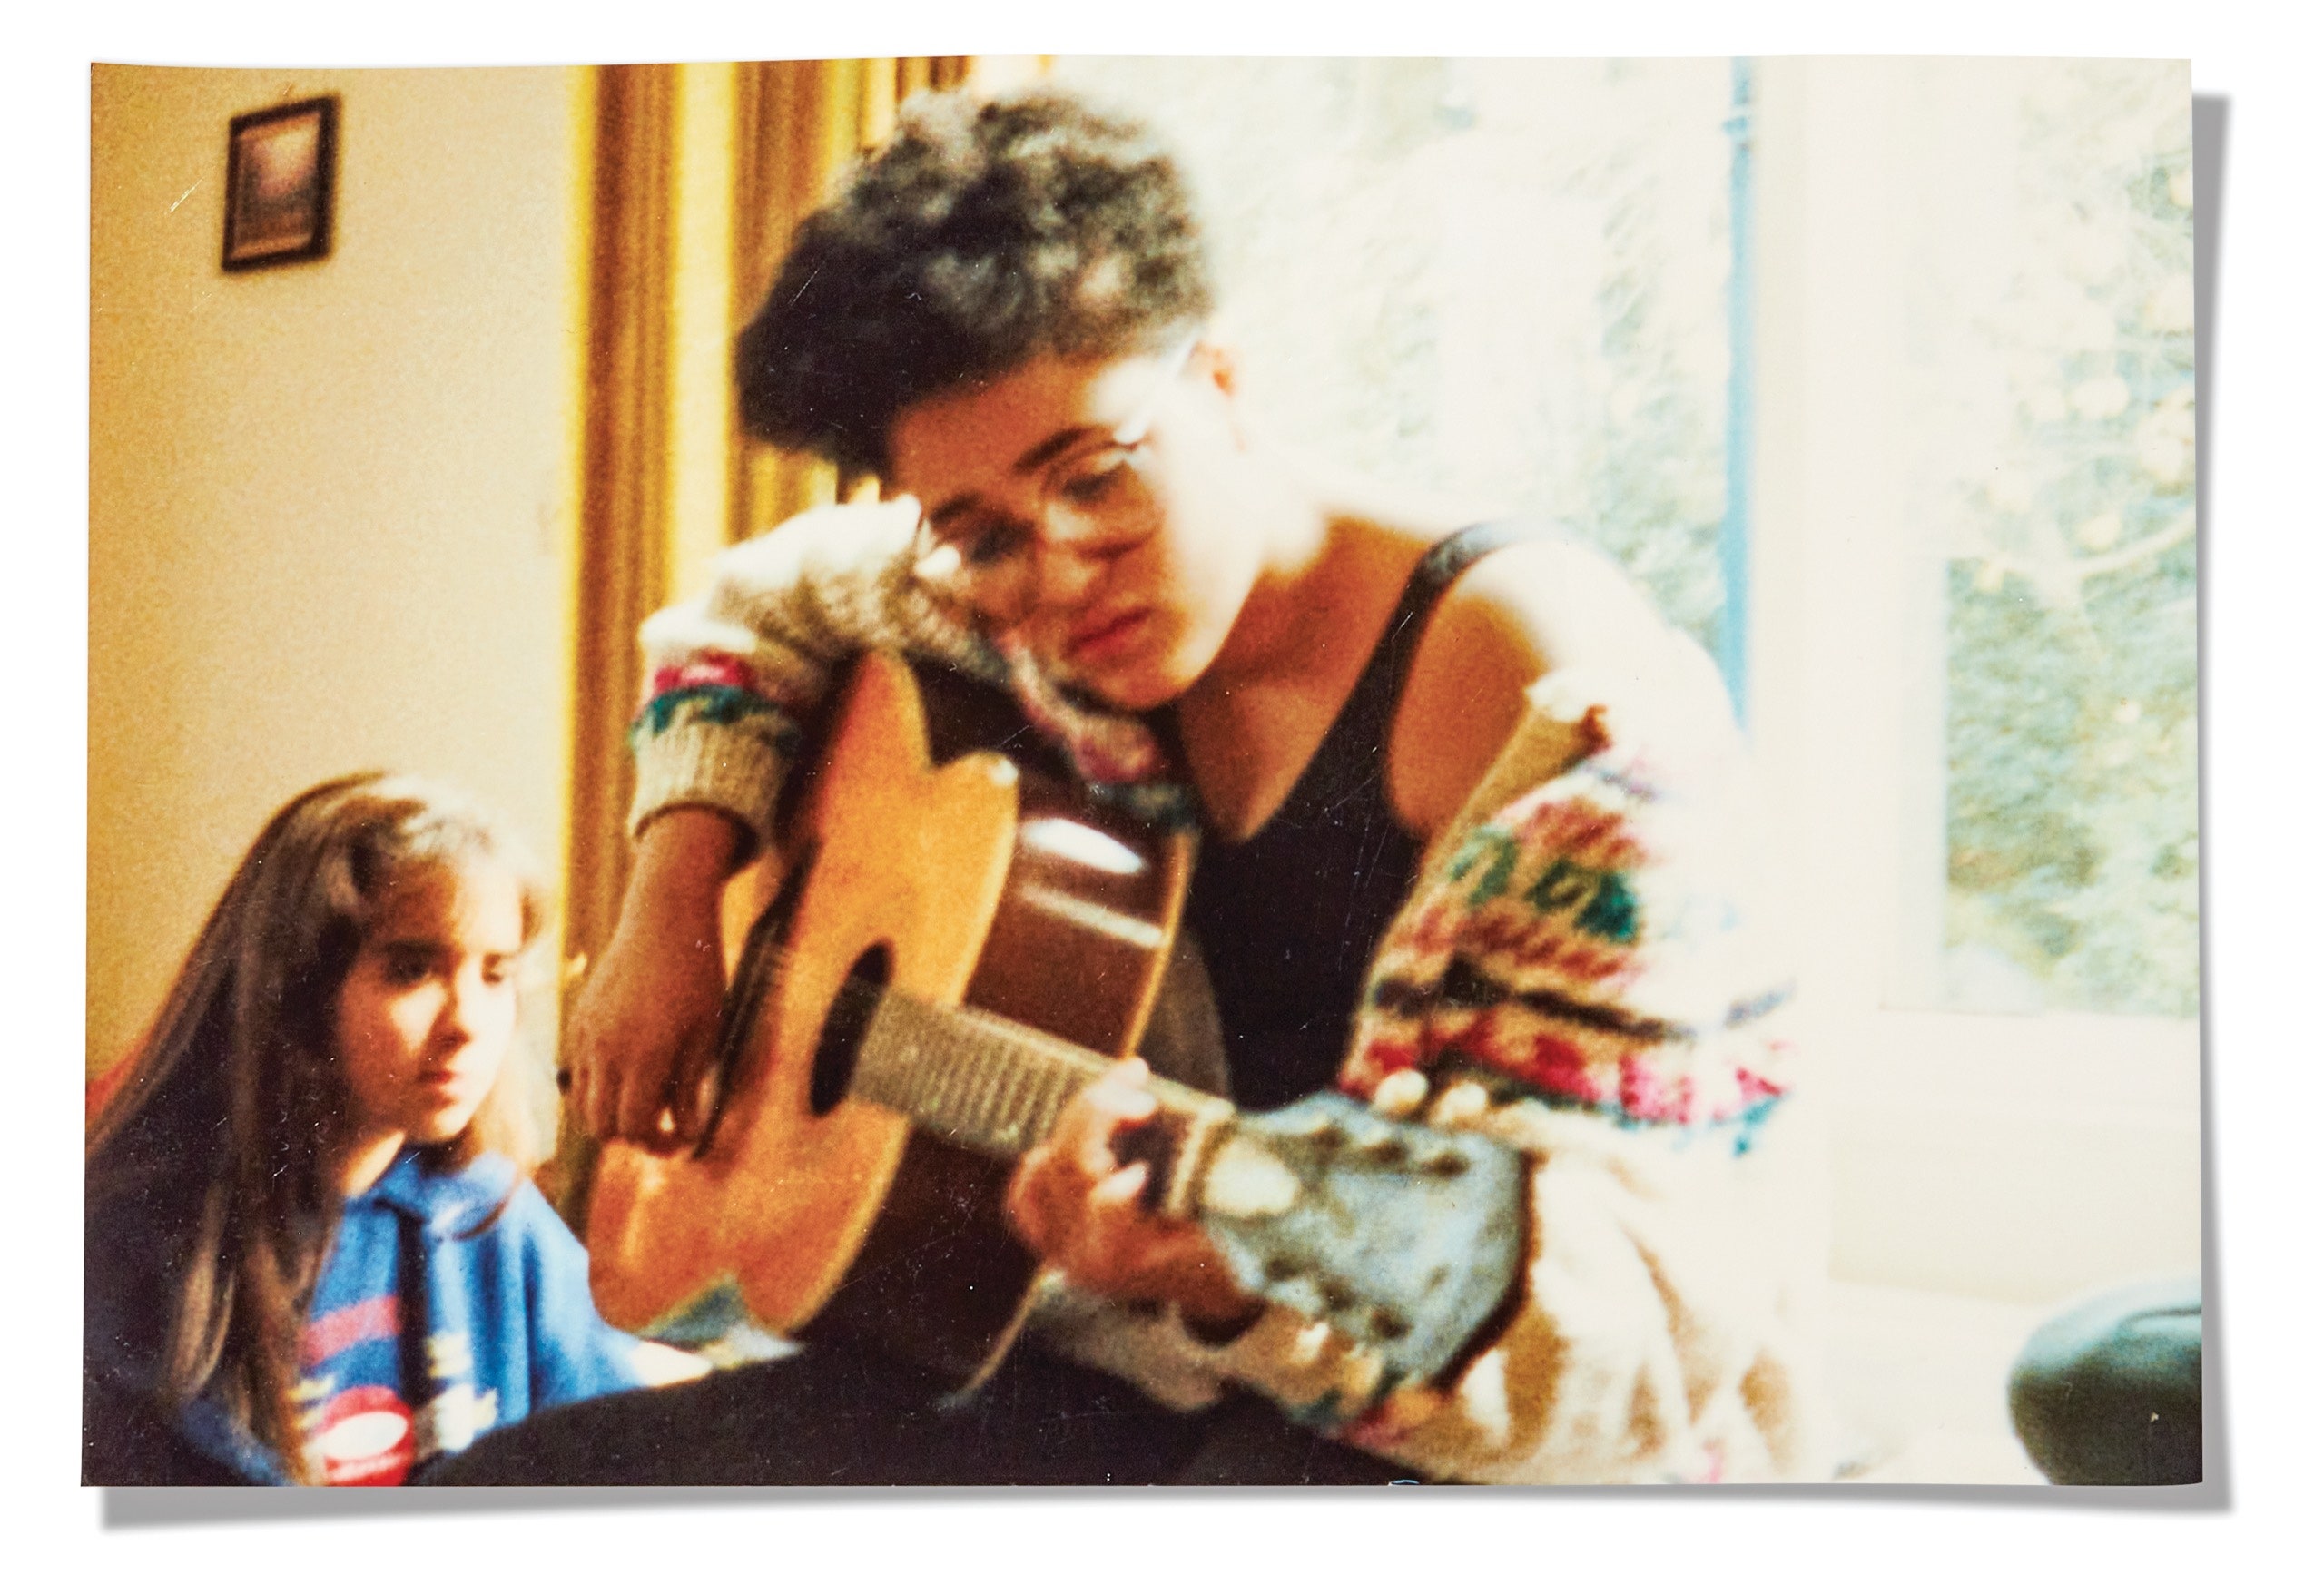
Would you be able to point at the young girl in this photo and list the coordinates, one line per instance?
(311, 1254)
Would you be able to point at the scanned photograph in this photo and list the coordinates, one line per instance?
(1053, 771)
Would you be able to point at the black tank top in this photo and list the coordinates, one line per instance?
(1289, 920)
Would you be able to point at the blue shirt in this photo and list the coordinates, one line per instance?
(435, 1320)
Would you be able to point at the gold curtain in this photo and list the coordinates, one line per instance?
(623, 558)
(695, 177)
(797, 124)
(672, 166)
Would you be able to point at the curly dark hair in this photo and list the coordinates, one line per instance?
(983, 234)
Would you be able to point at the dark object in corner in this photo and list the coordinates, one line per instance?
(281, 175)
(2111, 1392)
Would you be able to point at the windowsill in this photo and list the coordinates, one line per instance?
(1920, 1386)
(2019, 1160)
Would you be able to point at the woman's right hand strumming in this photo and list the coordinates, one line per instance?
(645, 1024)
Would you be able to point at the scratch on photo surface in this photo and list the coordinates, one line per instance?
(183, 195)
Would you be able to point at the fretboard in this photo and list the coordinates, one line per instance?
(984, 1082)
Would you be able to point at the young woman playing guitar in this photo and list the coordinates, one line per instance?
(1468, 805)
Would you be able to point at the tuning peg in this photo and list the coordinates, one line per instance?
(1462, 1103)
(1400, 1093)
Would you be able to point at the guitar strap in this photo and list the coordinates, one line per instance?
(1182, 1041)
(1289, 918)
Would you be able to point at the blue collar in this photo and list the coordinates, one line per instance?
(446, 1202)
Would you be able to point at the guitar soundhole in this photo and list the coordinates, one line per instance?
(843, 1028)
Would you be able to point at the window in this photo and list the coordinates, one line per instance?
(1500, 279)
(1966, 526)
(1973, 654)
(1511, 280)
(2054, 462)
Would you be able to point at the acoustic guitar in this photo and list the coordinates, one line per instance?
(961, 943)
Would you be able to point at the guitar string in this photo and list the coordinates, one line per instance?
(1003, 1085)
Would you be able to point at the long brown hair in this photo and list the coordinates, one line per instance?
(222, 1132)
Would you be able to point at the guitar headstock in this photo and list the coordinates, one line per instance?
(1403, 1237)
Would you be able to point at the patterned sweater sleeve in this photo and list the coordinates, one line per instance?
(1574, 975)
(732, 672)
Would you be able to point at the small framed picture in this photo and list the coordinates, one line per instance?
(280, 164)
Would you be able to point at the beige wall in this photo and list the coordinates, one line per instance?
(331, 505)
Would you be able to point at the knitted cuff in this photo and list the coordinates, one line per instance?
(733, 770)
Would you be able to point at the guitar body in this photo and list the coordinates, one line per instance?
(932, 856)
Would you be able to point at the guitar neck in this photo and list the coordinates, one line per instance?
(989, 1084)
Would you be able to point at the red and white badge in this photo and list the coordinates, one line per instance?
(365, 1438)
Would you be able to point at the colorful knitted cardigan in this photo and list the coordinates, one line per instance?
(1574, 972)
